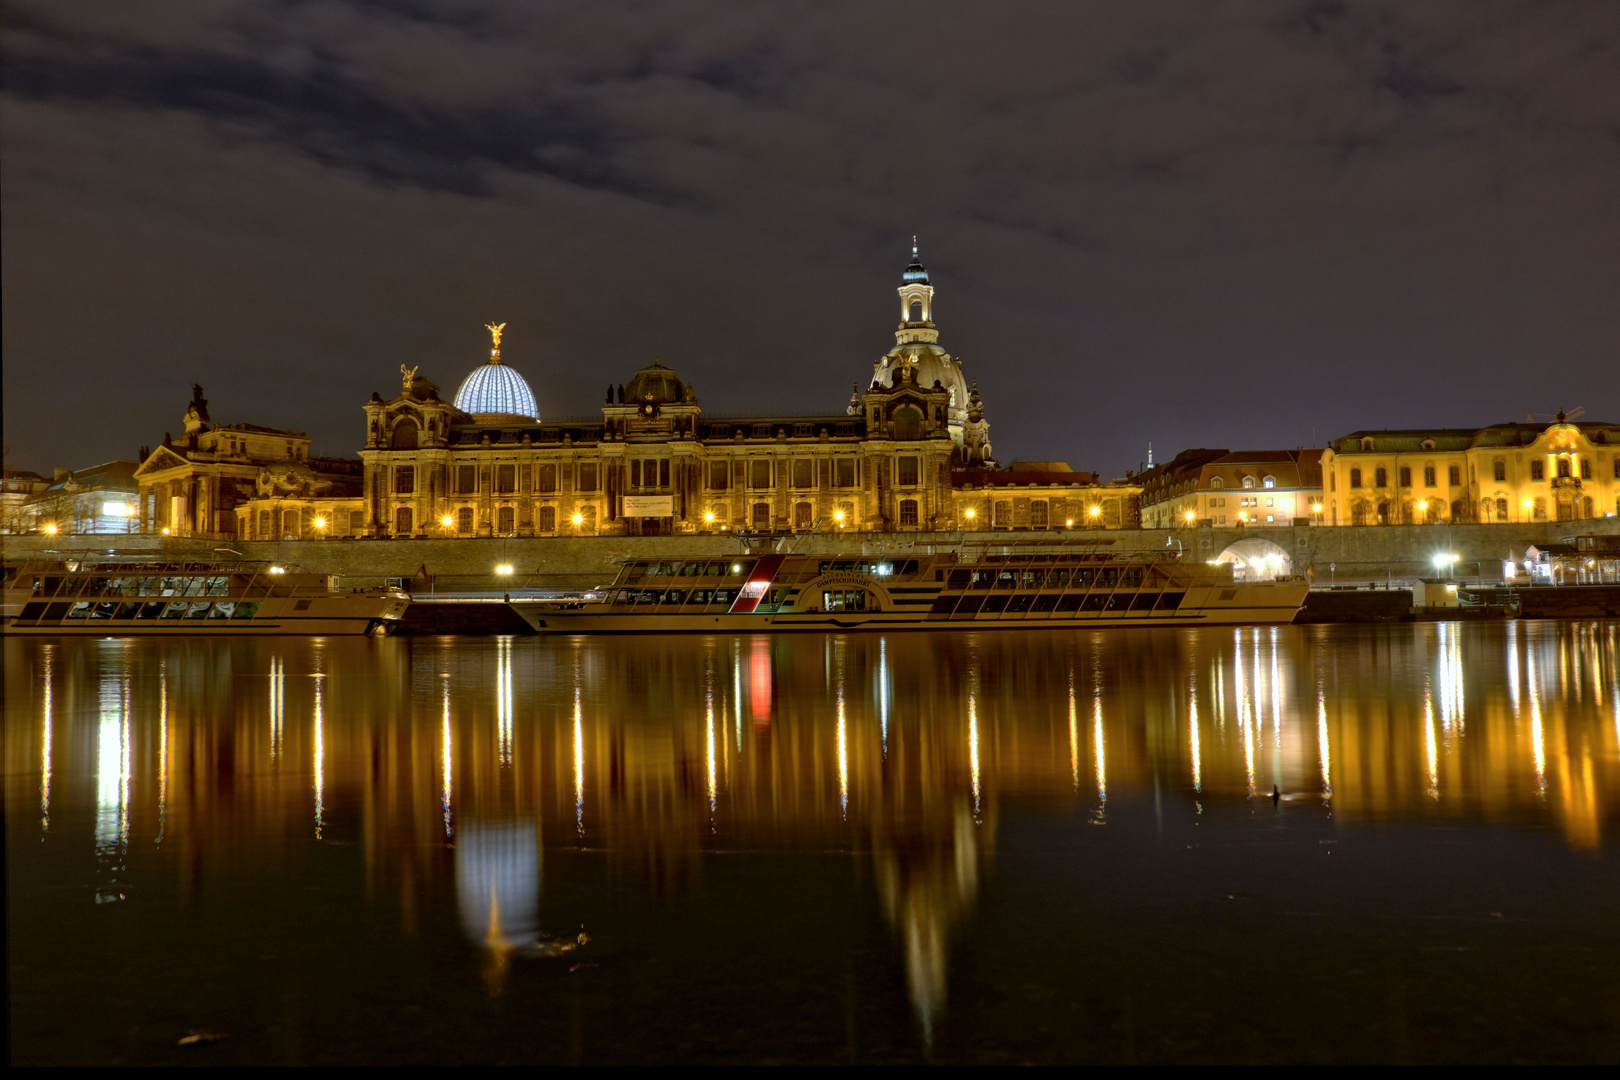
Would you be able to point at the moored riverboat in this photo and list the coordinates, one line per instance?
(114, 599)
(1061, 587)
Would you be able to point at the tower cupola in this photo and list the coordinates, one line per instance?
(916, 303)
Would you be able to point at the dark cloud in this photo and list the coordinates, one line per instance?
(1196, 224)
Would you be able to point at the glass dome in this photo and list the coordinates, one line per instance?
(496, 390)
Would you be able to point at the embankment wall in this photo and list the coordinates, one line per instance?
(1358, 552)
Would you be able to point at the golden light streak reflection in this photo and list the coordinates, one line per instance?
(843, 755)
(503, 698)
(579, 765)
(883, 693)
(278, 705)
(320, 756)
(47, 657)
(1513, 665)
(1429, 749)
(163, 751)
(1074, 735)
(447, 752)
(1324, 751)
(1538, 746)
(112, 785)
(1099, 749)
(1194, 739)
(708, 738)
(973, 752)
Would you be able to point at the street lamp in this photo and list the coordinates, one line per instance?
(504, 570)
(320, 523)
(1095, 511)
(1189, 517)
(447, 521)
(50, 529)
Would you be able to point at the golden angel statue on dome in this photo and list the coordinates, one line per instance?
(410, 375)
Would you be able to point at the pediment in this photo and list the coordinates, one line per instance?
(162, 458)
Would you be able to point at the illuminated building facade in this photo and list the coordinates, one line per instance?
(1504, 473)
(910, 452)
(100, 499)
(1222, 489)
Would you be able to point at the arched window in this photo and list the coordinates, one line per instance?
(1586, 506)
(265, 529)
(1358, 512)
(762, 515)
(908, 422)
(1501, 509)
(1001, 516)
(464, 520)
(1216, 483)
(1355, 478)
(1563, 466)
(1037, 515)
(289, 523)
(1270, 482)
(402, 521)
(802, 515)
(405, 435)
(1383, 513)
(908, 511)
(1248, 482)
(1380, 477)
(506, 520)
(548, 519)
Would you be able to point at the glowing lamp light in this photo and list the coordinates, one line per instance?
(579, 519)
(1095, 511)
(838, 516)
(320, 523)
(971, 514)
(709, 517)
(1068, 523)
(504, 570)
(447, 521)
(1189, 515)
(50, 530)
(278, 570)
(1316, 507)
(736, 568)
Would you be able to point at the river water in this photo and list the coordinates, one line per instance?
(1325, 843)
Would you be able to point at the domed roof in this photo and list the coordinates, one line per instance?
(496, 390)
(931, 363)
(657, 384)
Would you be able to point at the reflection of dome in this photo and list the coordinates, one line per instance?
(496, 390)
(657, 384)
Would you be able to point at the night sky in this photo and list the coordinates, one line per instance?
(1195, 224)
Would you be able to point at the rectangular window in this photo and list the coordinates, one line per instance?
(1586, 468)
(1453, 475)
(844, 473)
(548, 478)
(1355, 478)
(804, 473)
(908, 511)
(1538, 470)
(1499, 470)
(906, 471)
(404, 479)
(506, 479)
(357, 522)
(1428, 476)
(663, 473)
(759, 473)
(466, 478)
(824, 473)
(1380, 477)
(635, 473)
(585, 476)
(525, 478)
(1563, 466)
(1037, 515)
(1406, 476)
(719, 475)
(548, 519)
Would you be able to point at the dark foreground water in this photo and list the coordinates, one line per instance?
(1018, 846)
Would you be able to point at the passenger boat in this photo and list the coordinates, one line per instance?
(112, 599)
(1060, 588)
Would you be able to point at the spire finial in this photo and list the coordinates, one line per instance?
(495, 333)
(914, 247)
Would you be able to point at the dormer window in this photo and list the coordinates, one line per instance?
(1427, 444)
(1248, 482)
(1367, 445)
(1270, 482)
(1216, 483)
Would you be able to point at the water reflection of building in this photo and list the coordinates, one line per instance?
(454, 762)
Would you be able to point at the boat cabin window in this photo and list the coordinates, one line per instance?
(959, 579)
(674, 596)
(843, 600)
